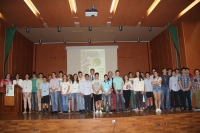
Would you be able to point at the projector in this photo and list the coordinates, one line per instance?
(91, 12)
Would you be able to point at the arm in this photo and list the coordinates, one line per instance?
(37, 84)
(93, 89)
(170, 84)
(189, 85)
(40, 93)
(68, 89)
(31, 87)
(179, 82)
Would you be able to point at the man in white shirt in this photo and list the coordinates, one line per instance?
(86, 91)
(80, 98)
(96, 86)
(60, 78)
(91, 78)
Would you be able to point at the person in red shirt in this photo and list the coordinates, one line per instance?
(6, 81)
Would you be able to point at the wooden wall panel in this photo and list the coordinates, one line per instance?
(2, 44)
(162, 51)
(131, 57)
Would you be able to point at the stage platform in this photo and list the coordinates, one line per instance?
(131, 122)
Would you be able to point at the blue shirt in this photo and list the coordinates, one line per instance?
(118, 83)
(147, 85)
(45, 88)
(106, 86)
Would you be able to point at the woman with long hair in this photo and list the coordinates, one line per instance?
(75, 92)
(126, 92)
(139, 90)
(17, 80)
(6, 81)
(70, 79)
(157, 90)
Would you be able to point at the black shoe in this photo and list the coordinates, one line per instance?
(52, 112)
(55, 112)
(46, 112)
(190, 108)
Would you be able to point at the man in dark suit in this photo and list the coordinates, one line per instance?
(91, 78)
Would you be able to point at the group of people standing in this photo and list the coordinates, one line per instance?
(170, 90)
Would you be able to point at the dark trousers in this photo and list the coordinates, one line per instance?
(127, 94)
(174, 96)
(92, 100)
(139, 99)
(87, 100)
(186, 94)
(180, 93)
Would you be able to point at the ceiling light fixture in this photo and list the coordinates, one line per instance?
(72, 4)
(90, 28)
(120, 28)
(185, 10)
(155, 3)
(59, 29)
(115, 40)
(32, 7)
(89, 40)
(114, 6)
(138, 39)
(150, 28)
(64, 40)
(27, 30)
(40, 41)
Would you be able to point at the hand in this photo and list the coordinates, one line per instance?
(170, 90)
(97, 92)
(91, 95)
(117, 92)
(29, 95)
(134, 92)
(82, 95)
(40, 96)
(106, 94)
(121, 92)
(143, 92)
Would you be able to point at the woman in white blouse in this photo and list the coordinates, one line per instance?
(75, 92)
(65, 88)
(157, 90)
(139, 90)
(27, 89)
(126, 92)
(18, 81)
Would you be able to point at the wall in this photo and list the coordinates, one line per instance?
(2, 42)
(189, 40)
(21, 56)
(53, 57)
(162, 51)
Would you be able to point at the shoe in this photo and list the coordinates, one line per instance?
(117, 111)
(46, 112)
(159, 110)
(60, 112)
(190, 109)
(97, 112)
(100, 112)
(136, 110)
(172, 109)
(24, 112)
(141, 109)
(29, 112)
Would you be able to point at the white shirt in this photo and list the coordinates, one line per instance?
(86, 87)
(65, 86)
(147, 85)
(173, 83)
(131, 80)
(157, 80)
(27, 86)
(19, 82)
(97, 85)
(75, 87)
(138, 85)
(126, 84)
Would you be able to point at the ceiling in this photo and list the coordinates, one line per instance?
(131, 14)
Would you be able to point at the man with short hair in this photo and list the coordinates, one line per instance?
(165, 88)
(118, 86)
(169, 72)
(185, 83)
(60, 78)
(187, 70)
(44, 94)
(34, 96)
(91, 78)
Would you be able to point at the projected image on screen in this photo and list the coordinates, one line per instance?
(93, 58)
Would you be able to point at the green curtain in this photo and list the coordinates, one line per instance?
(174, 35)
(10, 33)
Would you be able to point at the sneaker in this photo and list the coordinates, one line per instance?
(29, 112)
(172, 109)
(136, 109)
(24, 112)
(60, 112)
(100, 112)
(141, 109)
(97, 112)
(159, 110)
(117, 111)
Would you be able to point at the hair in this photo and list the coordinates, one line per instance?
(183, 68)
(41, 73)
(154, 75)
(77, 80)
(92, 69)
(117, 71)
(60, 72)
(154, 69)
(70, 76)
(173, 71)
(86, 75)
(34, 73)
(187, 68)
(105, 76)
(196, 70)
(147, 73)
(66, 77)
(17, 74)
(54, 73)
(130, 73)
(27, 74)
(169, 69)
(44, 77)
(124, 77)
(79, 72)
(96, 74)
(164, 68)
(49, 75)
(140, 76)
(176, 69)
(7, 75)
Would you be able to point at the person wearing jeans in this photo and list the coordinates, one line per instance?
(59, 92)
(118, 86)
(81, 102)
(39, 81)
(65, 88)
(165, 89)
(34, 95)
(139, 90)
(75, 92)
(132, 97)
(54, 85)
(106, 87)
(185, 83)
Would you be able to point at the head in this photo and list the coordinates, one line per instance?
(44, 78)
(97, 76)
(169, 71)
(92, 71)
(69, 77)
(142, 74)
(110, 74)
(130, 74)
(17, 76)
(27, 76)
(75, 78)
(155, 74)
(153, 70)
(53, 74)
(117, 73)
(138, 75)
(34, 74)
(8, 76)
(65, 77)
(177, 71)
(187, 70)
(174, 73)
(147, 75)
(60, 74)
(196, 72)
(40, 75)
(183, 71)
(125, 78)
(86, 76)
(80, 74)
(105, 77)
(49, 77)
(164, 71)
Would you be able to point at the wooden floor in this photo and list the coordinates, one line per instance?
(141, 122)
